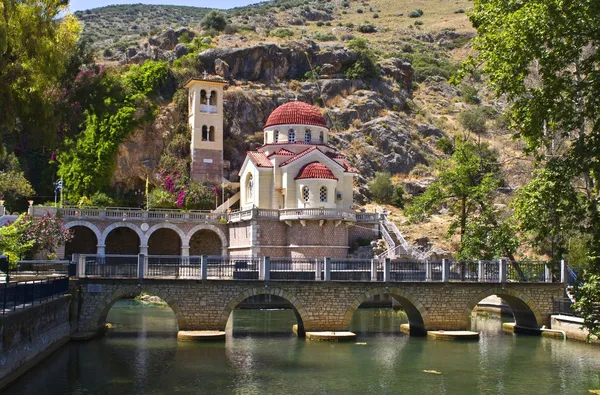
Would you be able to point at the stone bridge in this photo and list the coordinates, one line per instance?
(319, 306)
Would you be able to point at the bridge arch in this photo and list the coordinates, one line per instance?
(85, 242)
(98, 318)
(299, 311)
(165, 225)
(110, 228)
(207, 227)
(525, 311)
(418, 318)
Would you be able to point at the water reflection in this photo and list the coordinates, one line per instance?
(141, 356)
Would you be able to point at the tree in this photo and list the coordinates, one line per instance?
(382, 188)
(29, 235)
(365, 67)
(36, 43)
(13, 183)
(467, 184)
(549, 209)
(542, 56)
(214, 20)
(473, 120)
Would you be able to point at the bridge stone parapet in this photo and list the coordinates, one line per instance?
(319, 306)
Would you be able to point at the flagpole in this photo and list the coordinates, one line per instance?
(61, 192)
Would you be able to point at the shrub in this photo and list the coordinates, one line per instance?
(375, 16)
(398, 197)
(185, 38)
(473, 120)
(367, 28)
(214, 20)
(416, 13)
(230, 29)
(159, 198)
(445, 145)
(382, 188)
(365, 66)
(101, 200)
(325, 37)
(418, 23)
(459, 11)
(469, 94)
(320, 23)
(281, 33)
(359, 11)
(407, 48)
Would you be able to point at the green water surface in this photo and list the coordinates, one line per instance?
(141, 355)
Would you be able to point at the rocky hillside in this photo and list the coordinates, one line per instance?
(398, 119)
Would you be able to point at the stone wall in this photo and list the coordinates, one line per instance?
(362, 231)
(165, 242)
(205, 242)
(572, 327)
(323, 305)
(31, 334)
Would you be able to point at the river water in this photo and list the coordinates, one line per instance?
(141, 355)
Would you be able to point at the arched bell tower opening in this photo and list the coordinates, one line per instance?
(206, 123)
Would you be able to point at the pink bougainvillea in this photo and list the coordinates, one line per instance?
(181, 198)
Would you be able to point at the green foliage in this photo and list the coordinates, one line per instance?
(35, 47)
(159, 198)
(554, 103)
(147, 78)
(382, 188)
(398, 197)
(416, 13)
(13, 183)
(365, 66)
(549, 209)
(325, 37)
(419, 23)
(12, 239)
(445, 145)
(214, 20)
(578, 254)
(29, 235)
(467, 184)
(367, 28)
(102, 200)
(87, 162)
(359, 11)
(427, 64)
(281, 33)
(473, 120)
(469, 94)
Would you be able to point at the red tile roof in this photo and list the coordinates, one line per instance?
(296, 113)
(348, 168)
(300, 155)
(315, 170)
(335, 155)
(282, 151)
(260, 159)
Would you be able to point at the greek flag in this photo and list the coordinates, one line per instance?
(58, 184)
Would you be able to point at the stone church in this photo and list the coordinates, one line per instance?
(296, 190)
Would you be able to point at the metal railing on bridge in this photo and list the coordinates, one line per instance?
(21, 294)
(310, 269)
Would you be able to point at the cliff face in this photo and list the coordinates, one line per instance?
(367, 118)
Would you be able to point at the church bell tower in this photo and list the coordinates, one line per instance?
(205, 102)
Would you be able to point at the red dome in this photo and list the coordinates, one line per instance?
(296, 113)
(315, 170)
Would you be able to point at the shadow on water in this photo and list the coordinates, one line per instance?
(140, 355)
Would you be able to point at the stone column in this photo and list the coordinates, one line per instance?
(100, 249)
(386, 269)
(144, 249)
(185, 250)
(445, 270)
(502, 270)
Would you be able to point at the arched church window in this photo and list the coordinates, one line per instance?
(307, 136)
(213, 98)
(205, 133)
(323, 194)
(249, 187)
(291, 136)
(202, 97)
(211, 133)
(321, 139)
(276, 136)
(305, 194)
